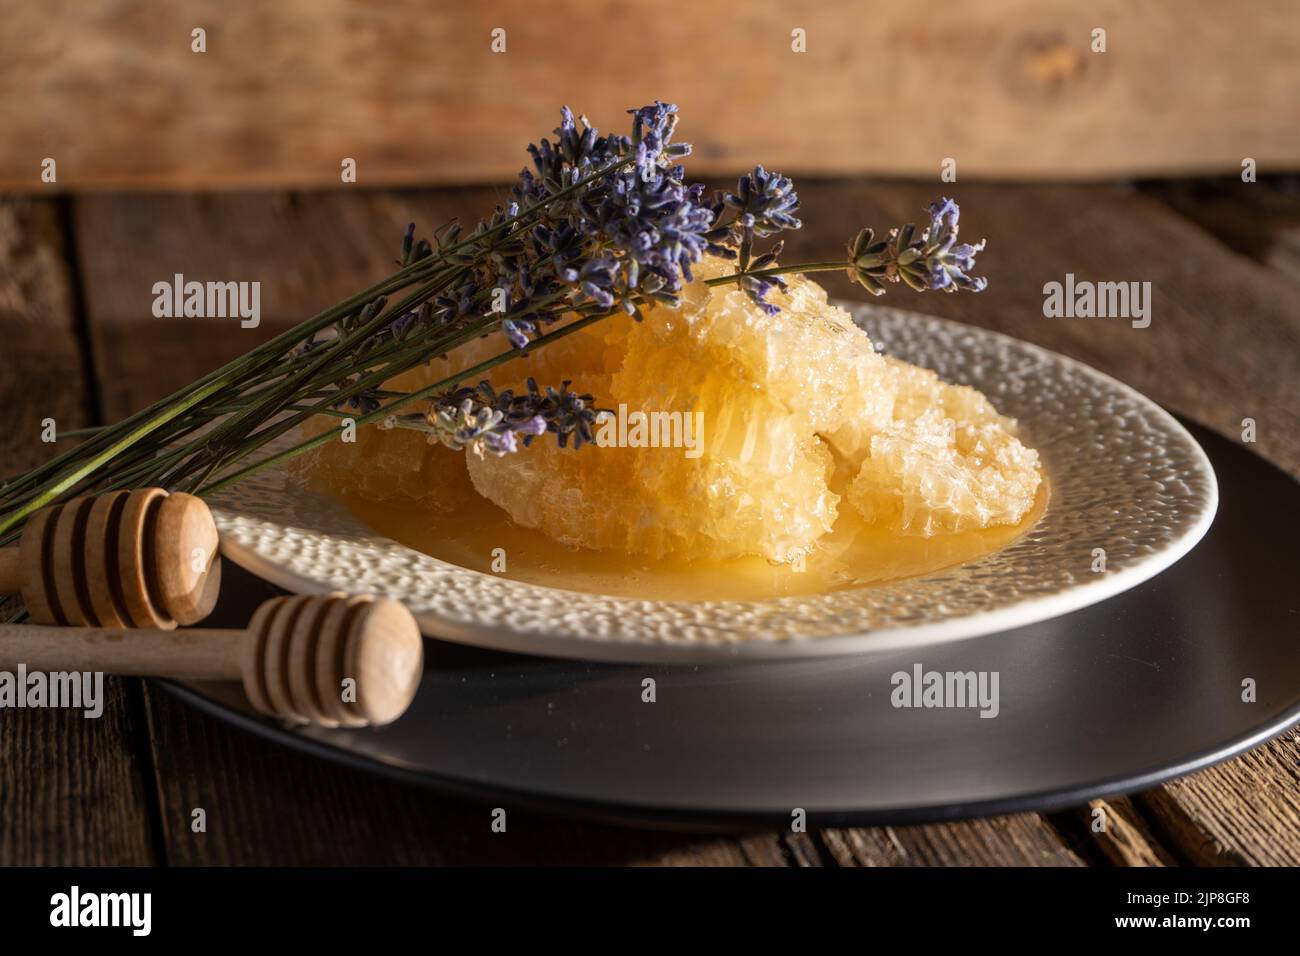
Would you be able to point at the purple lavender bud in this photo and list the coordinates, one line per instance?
(963, 255)
(402, 324)
(516, 332)
(939, 278)
(944, 209)
(407, 241)
(499, 443)
(602, 298)
(533, 426)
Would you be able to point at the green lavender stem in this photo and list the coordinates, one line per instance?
(778, 271)
(77, 474)
(225, 374)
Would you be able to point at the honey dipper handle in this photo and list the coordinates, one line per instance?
(188, 654)
(11, 580)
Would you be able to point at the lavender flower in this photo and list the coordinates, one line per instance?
(517, 331)
(628, 237)
(763, 205)
(566, 414)
(479, 427)
(764, 202)
(364, 402)
(659, 225)
(951, 262)
(934, 261)
(652, 132)
(490, 422)
(413, 251)
(574, 156)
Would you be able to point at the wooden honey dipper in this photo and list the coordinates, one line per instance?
(141, 558)
(293, 658)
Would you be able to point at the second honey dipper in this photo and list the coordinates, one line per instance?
(332, 661)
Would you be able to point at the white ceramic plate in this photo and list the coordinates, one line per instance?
(1124, 476)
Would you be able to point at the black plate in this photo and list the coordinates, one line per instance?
(1112, 698)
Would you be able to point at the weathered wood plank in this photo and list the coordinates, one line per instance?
(71, 788)
(414, 93)
(306, 256)
(1021, 840)
(1244, 812)
(1260, 220)
(1116, 830)
(42, 375)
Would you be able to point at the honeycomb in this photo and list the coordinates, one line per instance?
(801, 417)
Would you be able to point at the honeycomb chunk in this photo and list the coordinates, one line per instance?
(796, 416)
(948, 462)
(762, 387)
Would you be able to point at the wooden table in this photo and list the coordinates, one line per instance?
(81, 345)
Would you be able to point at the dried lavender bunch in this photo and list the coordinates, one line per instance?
(597, 226)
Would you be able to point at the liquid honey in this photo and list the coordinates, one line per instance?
(853, 555)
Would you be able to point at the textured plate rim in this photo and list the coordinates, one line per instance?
(883, 640)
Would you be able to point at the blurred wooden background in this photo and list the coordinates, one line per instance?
(411, 89)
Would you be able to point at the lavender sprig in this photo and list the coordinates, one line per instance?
(762, 205)
(933, 261)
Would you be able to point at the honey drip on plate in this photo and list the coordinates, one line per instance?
(853, 555)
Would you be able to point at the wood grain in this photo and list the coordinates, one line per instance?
(413, 92)
(1244, 812)
(42, 375)
(1021, 840)
(1116, 830)
(307, 253)
(71, 788)
(1260, 220)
